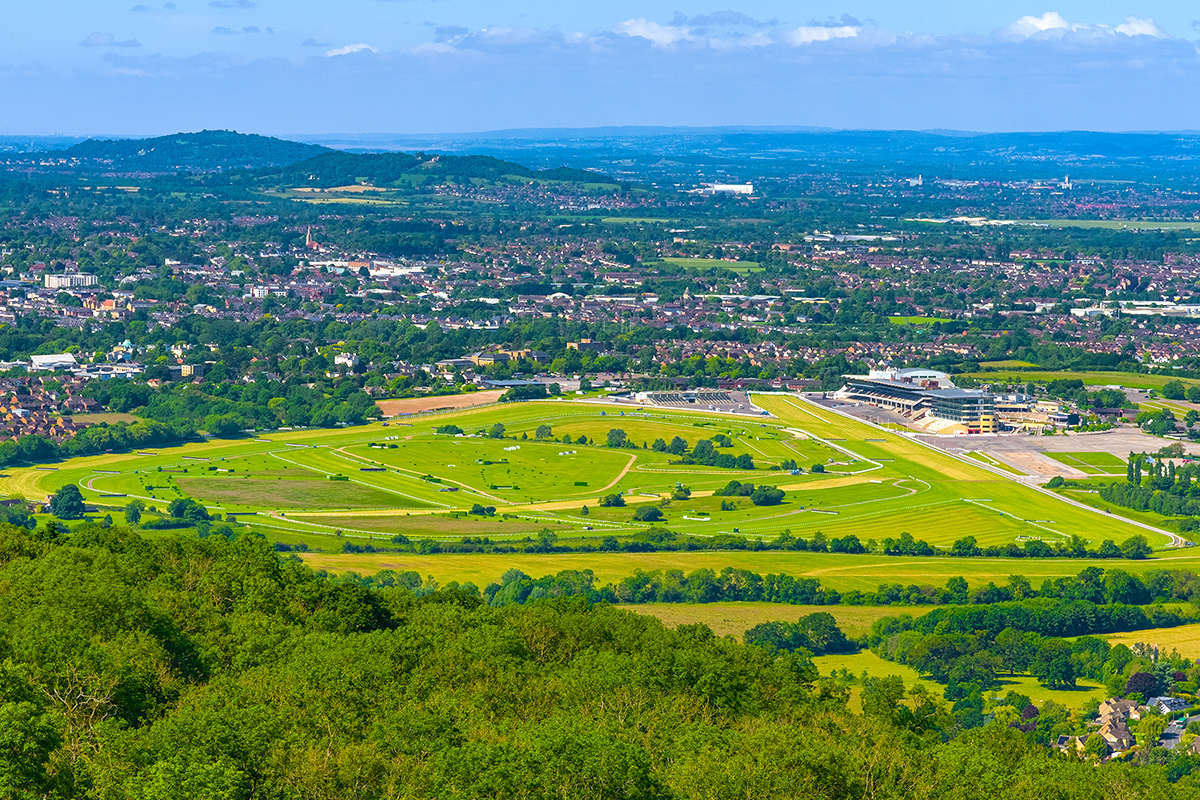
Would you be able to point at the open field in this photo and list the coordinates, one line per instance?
(715, 263)
(1185, 639)
(916, 320)
(107, 418)
(373, 481)
(417, 405)
(876, 667)
(1133, 380)
(1115, 224)
(1091, 463)
(836, 571)
(733, 619)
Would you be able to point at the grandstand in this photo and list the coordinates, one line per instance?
(699, 399)
(927, 397)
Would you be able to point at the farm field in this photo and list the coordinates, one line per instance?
(733, 619)
(1185, 639)
(404, 477)
(836, 571)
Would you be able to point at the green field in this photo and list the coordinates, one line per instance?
(1132, 380)
(876, 667)
(1115, 224)
(1091, 463)
(716, 263)
(381, 480)
(993, 462)
(917, 320)
(1185, 639)
(836, 571)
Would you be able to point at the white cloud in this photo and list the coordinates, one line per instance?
(657, 34)
(1142, 26)
(807, 34)
(351, 48)
(98, 39)
(1053, 25)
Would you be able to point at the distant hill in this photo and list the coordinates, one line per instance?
(206, 151)
(335, 168)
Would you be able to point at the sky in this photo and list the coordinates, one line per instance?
(310, 67)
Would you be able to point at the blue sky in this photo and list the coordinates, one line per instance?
(424, 66)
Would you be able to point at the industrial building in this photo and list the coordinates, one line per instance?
(927, 397)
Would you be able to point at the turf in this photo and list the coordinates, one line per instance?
(875, 484)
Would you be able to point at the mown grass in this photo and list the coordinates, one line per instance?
(836, 571)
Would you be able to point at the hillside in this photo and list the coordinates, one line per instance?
(206, 151)
(335, 168)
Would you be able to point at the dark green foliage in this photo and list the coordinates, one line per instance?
(215, 668)
(647, 514)
(67, 502)
(766, 496)
(817, 633)
(612, 501)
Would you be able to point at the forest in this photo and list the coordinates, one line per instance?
(183, 668)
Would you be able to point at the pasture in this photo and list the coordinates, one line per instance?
(734, 619)
(404, 477)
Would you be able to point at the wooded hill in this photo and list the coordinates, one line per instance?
(183, 668)
(205, 151)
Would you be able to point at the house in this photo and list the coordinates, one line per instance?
(349, 360)
(1168, 705)
(1116, 735)
(1119, 708)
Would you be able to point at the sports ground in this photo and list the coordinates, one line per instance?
(405, 478)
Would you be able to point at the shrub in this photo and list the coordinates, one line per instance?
(612, 501)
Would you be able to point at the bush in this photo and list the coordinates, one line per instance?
(612, 501)
(452, 430)
(818, 468)
(1055, 482)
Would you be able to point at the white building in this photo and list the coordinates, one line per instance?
(72, 280)
(53, 362)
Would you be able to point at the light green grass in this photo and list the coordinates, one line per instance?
(1091, 463)
(917, 320)
(1185, 639)
(1133, 380)
(876, 483)
(993, 462)
(716, 263)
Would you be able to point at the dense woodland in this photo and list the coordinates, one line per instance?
(186, 668)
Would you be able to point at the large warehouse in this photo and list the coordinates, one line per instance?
(926, 396)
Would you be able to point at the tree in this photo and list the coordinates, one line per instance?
(647, 514)
(1174, 390)
(612, 501)
(1013, 650)
(543, 431)
(766, 496)
(966, 546)
(745, 461)
(681, 493)
(1095, 747)
(1135, 547)
(1143, 683)
(224, 426)
(617, 438)
(67, 503)
(818, 467)
(133, 511)
(497, 431)
(1052, 664)
(1150, 730)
